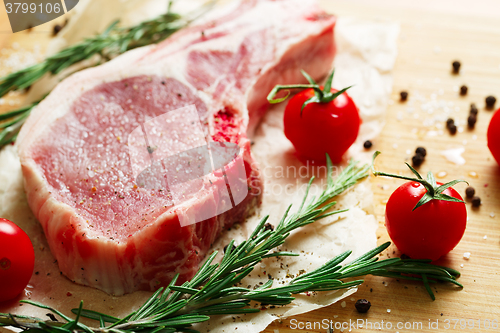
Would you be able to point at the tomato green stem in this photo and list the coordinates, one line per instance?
(271, 97)
(434, 192)
(324, 95)
(425, 183)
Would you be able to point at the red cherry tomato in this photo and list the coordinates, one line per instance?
(431, 230)
(323, 127)
(17, 260)
(494, 136)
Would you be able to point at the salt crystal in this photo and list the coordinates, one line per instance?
(437, 49)
(474, 137)
(408, 151)
(395, 146)
(492, 215)
(467, 255)
(343, 304)
(442, 174)
(353, 299)
(432, 133)
(276, 331)
(462, 265)
(454, 155)
(388, 310)
(335, 316)
(456, 88)
(485, 237)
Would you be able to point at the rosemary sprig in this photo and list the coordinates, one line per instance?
(216, 287)
(112, 42)
(11, 122)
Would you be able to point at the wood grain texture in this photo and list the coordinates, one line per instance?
(431, 38)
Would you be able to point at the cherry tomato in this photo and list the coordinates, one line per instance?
(494, 136)
(17, 260)
(431, 230)
(330, 127)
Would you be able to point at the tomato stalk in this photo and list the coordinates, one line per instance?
(321, 95)
(434, 192)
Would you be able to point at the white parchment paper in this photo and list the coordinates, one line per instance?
(365, 58)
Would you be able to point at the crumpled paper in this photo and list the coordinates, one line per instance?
(365, 58)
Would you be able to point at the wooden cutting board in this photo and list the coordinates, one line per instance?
(433, 34)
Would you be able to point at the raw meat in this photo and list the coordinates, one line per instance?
(81, 155)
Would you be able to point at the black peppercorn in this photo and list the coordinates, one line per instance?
(268, 226)
(56, 29)
(453, 129)
(469, 192)
(471, 121)
(362, 305)
(422, 151)
(368, 144)
(450, 122)
(473, 109)
(490, 102)
(403, 95)
(456, 66)
(51, 316)
(404, 256)
(232, 249)
(476, 201)
(463, 90)
(417, 160)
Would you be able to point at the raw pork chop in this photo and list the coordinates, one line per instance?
(79, 153)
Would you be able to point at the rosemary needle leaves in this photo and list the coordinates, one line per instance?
(11, 122)
(112, 42)
(215, 290)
